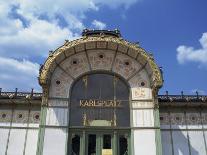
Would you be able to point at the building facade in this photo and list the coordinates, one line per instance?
(100, 97)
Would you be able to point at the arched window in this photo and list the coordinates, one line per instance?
(99, 99)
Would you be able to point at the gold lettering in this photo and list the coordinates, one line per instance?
(91, 103)
(86, 103)
(118, 104)
(82, 103)
(100, 103)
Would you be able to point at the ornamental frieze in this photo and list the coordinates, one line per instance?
(19, 116)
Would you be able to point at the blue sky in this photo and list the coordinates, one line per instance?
(175, 31)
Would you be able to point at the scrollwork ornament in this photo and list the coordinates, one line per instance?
(45, 94)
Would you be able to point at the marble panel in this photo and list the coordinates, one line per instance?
(101, 59)
(101, 44)
(80, 47)
(20, 118)
(144, 142)
(178, 120)
(3, 140)
(112, 46)
(133, 53)
(60, 58)
(197, 144)
(205, 135)
(52, 67)
(141, 60)
(142, 104)
(180, 142)
(141, 79)
(55, 141)
(34, 118)
(31, 143)
(58, 102)
(122, 48)
(166, 143)
(57, 116)
(90, 45)
(76, 64)
(125, 65)
(143, 118)
(148, 69)
(141, 93)
(164, 121)
(193, 120)
(5, 117)
(60, 84)
(69, 51)
(16, 142)
(204, 119)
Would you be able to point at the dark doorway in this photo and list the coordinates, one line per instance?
(91, 144)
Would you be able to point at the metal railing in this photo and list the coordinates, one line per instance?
(162, 98)
(15, 94)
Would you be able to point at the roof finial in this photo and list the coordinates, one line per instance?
(115, 33)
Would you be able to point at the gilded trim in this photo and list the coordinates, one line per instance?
(50, 64)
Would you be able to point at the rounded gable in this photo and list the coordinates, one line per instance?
(102, 43)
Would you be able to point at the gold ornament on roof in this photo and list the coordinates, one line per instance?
(51, 62)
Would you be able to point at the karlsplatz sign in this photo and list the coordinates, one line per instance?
(100, 103)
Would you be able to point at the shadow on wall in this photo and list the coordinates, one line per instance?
(179, 144)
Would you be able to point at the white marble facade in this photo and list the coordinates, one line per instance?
(103, 57)
(19, 131)
(183, 131)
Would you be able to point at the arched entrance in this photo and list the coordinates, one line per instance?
(99, 118)
(86, 127)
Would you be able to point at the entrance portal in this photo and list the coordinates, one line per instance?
(99, 116)
(99, 143)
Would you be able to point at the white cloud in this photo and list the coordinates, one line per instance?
(98, 24)
(36, 40)
(29, 29)
(117, 3)
(43, 31)
(189, 54)
(16, 73)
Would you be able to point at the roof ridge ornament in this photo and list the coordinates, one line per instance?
(89, 32)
